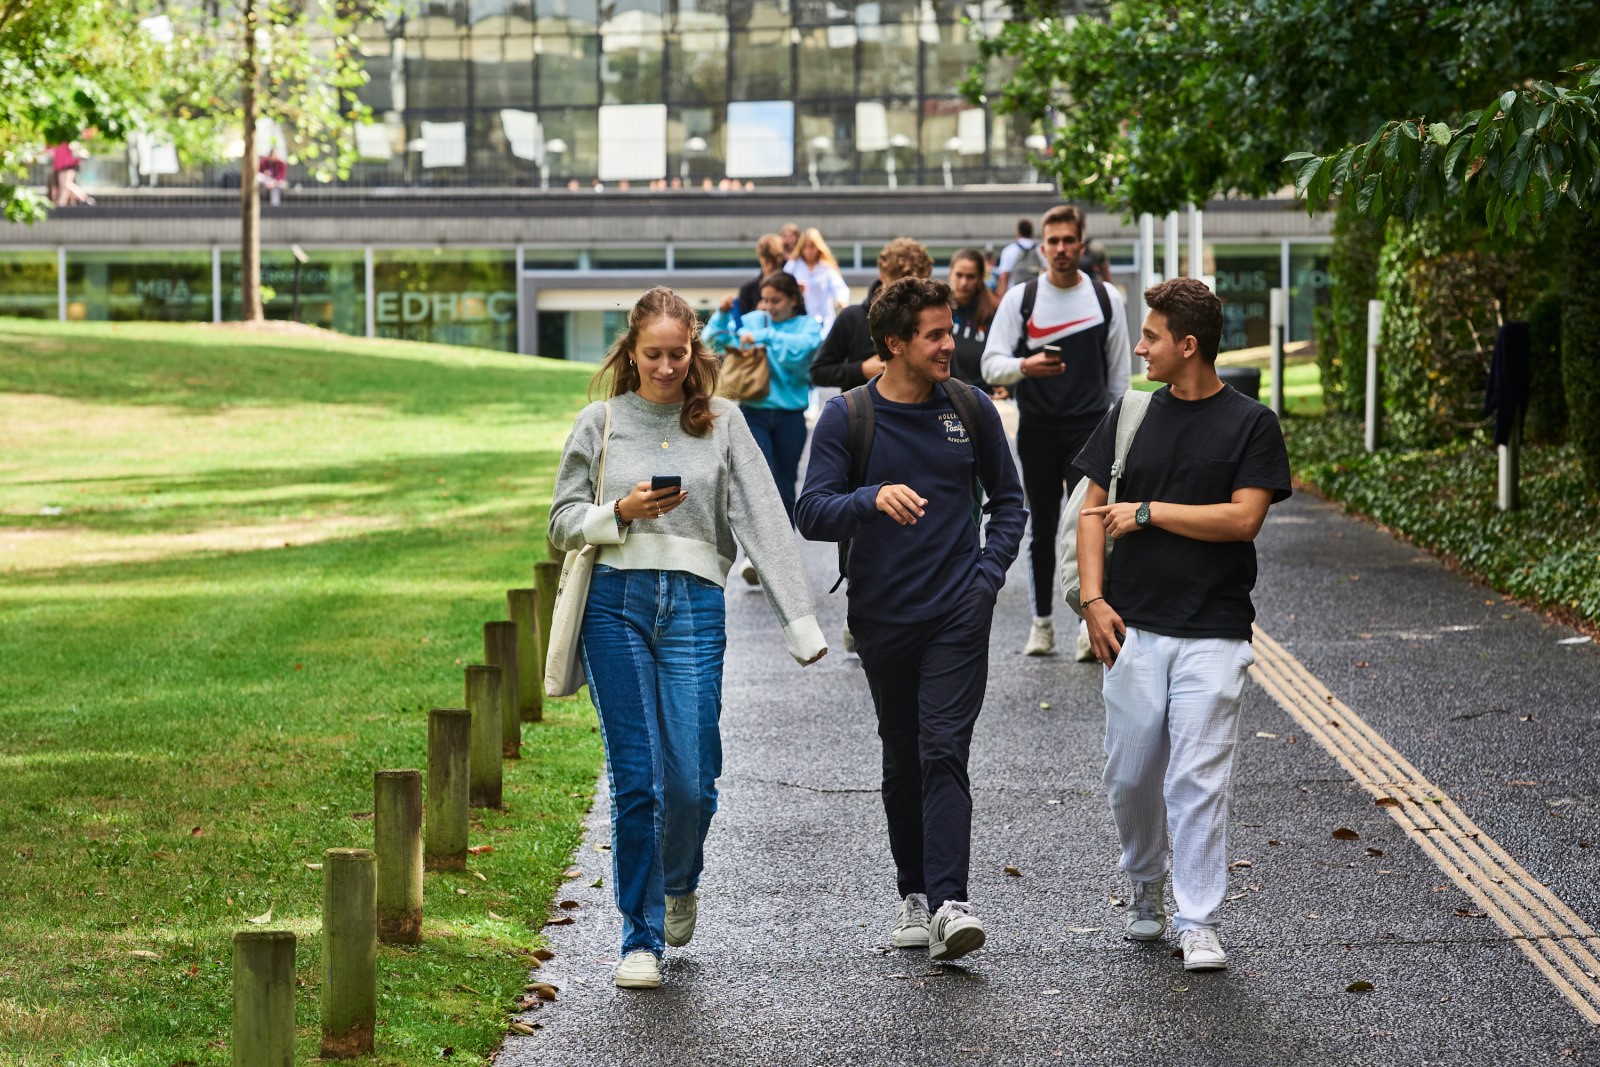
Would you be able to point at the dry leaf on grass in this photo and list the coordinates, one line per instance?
(262, 919)
(480, 850)
(145, 954)
(497, 918)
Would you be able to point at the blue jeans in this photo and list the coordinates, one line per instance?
(781, 436)
(652, 653)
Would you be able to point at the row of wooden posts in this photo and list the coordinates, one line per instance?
(373, 895)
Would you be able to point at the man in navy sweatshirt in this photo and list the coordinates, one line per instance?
(922, 590)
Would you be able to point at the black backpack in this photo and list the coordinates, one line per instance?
(861, 423)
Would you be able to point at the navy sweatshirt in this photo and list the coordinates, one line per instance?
(906, 574)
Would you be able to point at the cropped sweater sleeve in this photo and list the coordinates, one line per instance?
(575, 519)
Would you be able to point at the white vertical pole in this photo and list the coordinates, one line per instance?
(522, 348)
(1374, 332)
(61, 282)
(1172, 269)
(1197, 243)
(1278, 304)
(1283, 276)
(216, 283)
(372, 311)
(1147, 259)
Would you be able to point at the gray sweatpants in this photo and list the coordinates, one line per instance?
(1172, 726)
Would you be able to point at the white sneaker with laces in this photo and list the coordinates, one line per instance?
(638, 970)
(681, 914)
(748, 572)
(911, 923)
(1147, 912)
(1085, 649)
(1041, 638)
(1201, 950)
(955, 931)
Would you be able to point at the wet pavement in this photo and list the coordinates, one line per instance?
(791, 962)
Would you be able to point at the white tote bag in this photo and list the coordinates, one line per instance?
(563, 674)
(1131, 414)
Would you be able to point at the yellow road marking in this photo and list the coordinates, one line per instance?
(1558, 942)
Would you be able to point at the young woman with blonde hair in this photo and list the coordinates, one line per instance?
(813, 266)
(653, 627)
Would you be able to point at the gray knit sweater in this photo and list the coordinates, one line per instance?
(730, 492)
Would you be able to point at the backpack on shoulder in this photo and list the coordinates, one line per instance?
(861, 423)
(1129, 416)
(1026, 269)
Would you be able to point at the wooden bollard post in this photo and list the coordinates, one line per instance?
(483, 701)
(523, 607)
(500, 650)
(397, 839)
(263, 998)
(551, 551)
(546, 577)
(349, 952)
(449, 757)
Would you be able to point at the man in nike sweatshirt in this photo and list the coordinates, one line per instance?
(1063, 340)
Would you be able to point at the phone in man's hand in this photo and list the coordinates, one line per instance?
(666, 481)
(1053, 352)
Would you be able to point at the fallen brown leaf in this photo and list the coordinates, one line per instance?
(522, 1028)
(1362, 986)
(559, 920)
(543, 990)
(1387, 802)
(480, 850)
(543, 954)
(1344, 833)
(1015, 872)
(145, 954)
(1241, 865)
(1374, 851)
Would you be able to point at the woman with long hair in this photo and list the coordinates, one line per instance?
(653, 627)
(975, 306)
(791, 337)
(813, 266)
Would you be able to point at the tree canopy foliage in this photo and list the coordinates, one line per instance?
(1150, 104)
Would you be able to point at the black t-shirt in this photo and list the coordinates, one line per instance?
(1189, 452)
(750, 295)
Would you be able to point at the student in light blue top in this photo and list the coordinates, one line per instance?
(791, 338)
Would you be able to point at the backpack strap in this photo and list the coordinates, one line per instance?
(960, 396)
(1134, 406)
(1104, 298)
(861, 423)
(1030, 294)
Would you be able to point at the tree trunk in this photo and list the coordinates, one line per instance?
(249, 189)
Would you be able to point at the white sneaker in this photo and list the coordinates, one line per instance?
(955, 931)
(911, 923)
(1147, 912)
(1201, 950)
(638, 970)
(748, 573)
(1041, 638)
(681, 913)
(1085, 649)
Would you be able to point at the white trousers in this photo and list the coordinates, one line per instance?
(1172, 726)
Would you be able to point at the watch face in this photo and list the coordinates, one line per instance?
(1142, 515)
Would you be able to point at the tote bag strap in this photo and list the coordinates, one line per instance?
(605, 439)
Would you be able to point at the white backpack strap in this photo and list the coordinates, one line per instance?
(605, 439)
(1134, 405)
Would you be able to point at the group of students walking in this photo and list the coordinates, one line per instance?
(910, 470)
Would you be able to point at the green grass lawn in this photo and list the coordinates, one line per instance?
(236, 571)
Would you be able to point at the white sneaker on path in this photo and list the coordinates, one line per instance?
(955, 931)
(638, 970)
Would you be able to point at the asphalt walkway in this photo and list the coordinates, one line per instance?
(1478, 719)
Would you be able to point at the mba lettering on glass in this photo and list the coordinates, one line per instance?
(396, 307)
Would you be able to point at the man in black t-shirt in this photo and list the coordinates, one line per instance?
(1170, 613)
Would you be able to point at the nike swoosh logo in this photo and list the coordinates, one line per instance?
(1038, 332)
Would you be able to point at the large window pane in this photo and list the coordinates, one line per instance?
(739, 257)
(446, 147)
(889, 60)
(939, 124)
(700, 15)
(684, 124)
(139, 285)
(1309, 287)
(826, 65)
(569, 71)
(697, 67)
(628, 258)
(436, 73)
(630, 68)
(579, 130)
(567, 16)
(28, 285)
(761, 65)
(502, 72)
(454, 296)
(1245, 275)
(825, 136)
(491, 159)
(946, 62)
(822, 12)
(333, 287)
(383, 77)
(902, 148)
(754, 14)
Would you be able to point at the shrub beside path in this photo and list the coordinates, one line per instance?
(791, 962)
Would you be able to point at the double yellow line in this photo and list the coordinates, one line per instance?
(1549, 933)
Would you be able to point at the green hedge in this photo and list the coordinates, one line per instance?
(1547, 402)
(1444, 499)
(1341, 326)
(1580, 345)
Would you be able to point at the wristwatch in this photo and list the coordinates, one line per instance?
(1142, 515)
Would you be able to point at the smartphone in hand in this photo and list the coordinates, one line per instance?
(1053, 352)
(666, 481)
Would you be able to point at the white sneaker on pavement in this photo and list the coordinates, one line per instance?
(911, 923)
(638, 970)
(1147, 912)
(1085, 649)
(1201, 950)
(681, 914)
(1041, 638)
(955, 931)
